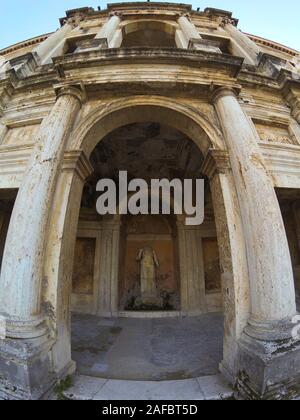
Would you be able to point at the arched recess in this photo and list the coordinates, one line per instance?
(186, 119)
(63, 224)
(149, 33)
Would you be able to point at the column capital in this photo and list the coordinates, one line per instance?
(6, 91)
(219, 92)
(226, 20)
(75, 16)
(77, 161)
(76, 90)
(291, 92)
(118, 14)
(216, 162)
(185, 15)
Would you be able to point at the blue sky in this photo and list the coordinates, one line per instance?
(272, 19)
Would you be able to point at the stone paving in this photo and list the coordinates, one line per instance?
(147, 349)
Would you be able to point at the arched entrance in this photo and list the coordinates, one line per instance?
(99, 124)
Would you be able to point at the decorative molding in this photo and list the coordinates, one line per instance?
(282, 160)
(14, 159)
(195, 58)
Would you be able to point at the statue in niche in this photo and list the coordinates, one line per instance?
(148, 262)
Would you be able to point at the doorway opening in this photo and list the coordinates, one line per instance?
(116, 332)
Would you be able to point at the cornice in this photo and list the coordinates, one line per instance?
(24, 44)
(272, 44)
(176, 56)
(76, 161)
(183, 8)
(6, 91)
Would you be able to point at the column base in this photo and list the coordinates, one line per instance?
(269, 363)
(25, 369)
(35, 327)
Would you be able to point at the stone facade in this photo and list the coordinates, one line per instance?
(201, 97)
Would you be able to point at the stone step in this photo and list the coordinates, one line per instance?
(198, 389)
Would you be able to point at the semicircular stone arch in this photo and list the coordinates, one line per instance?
(188, 120)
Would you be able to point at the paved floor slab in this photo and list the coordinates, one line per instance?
(147, 349)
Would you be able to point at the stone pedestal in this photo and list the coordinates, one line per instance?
(269, 362)
(268, 357)
(26, 368)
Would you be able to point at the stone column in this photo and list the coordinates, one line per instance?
(60, 255)
(193, 40)
(109, 29)
(109, 268)
(192, 282)
(246, 47)
(54, 45)
(233, 259)
(22, 270)
(269, 264)
(273, 295)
